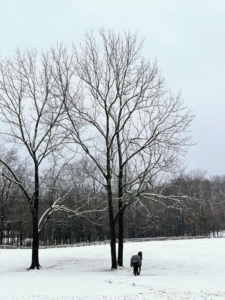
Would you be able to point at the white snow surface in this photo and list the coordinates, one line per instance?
(172, 269)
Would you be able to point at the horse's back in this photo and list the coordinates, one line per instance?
(135, 258)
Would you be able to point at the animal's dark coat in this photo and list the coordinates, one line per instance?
(136, 258)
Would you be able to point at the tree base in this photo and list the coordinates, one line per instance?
(34, 266)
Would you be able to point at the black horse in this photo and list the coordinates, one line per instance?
(136, 262)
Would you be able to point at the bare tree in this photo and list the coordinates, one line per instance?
(132, 127)
(30, 112)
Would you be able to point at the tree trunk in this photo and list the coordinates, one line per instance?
(2, 226)
(120, 203)
(120, 246)
(113, 244)
(112, 228)
(35, 245)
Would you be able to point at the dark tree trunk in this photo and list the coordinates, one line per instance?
(2, 227)
(120, 203)
(120, 246)
(113, 245)
(112, 228)
(35, 245)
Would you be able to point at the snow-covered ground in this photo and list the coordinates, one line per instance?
(180, 269)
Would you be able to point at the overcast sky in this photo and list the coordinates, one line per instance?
(186, 37)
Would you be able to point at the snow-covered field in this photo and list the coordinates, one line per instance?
(181, 269)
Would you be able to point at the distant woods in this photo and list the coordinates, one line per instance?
(203, 216)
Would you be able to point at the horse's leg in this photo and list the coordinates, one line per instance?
(135, 269)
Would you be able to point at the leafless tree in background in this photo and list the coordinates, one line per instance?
(12, 216)
(6, 190)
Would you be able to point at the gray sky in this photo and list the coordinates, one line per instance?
(186, 37)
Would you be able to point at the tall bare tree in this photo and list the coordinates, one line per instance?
(133, 127)
(30, 111)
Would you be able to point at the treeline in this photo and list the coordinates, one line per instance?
(202, 212)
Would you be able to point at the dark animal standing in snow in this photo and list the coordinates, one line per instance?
(136, 262)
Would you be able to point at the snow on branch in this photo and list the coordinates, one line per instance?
(58, 206)
(176, 199)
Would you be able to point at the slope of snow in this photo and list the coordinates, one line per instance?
(184, 269)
